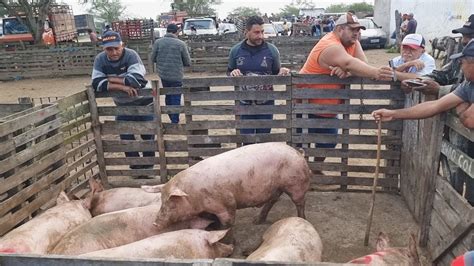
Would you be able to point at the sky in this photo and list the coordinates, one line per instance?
(152, 8)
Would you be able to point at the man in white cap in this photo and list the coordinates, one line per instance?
(413, 61)
(339, 53)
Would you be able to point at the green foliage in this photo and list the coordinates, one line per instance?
(245, 12)
(303, 4)
(3, 11)
(357, 7)
(196, 7)
(108, 10)
(289, 10)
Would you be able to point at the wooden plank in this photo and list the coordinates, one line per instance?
(236, 81)
(7, 109)
(455, 201)
(237, 124)
(454, 123)
(159, 132)
(75, 112)
(82, 133)
(82, 171)
(258, 138)
(339, 138)
(31, 190)
(344, 124)
(133, 161)
(124, 110)
(86, 145)
(30, 153)
(83, 159)
(233, 109)
(237, 95)
(338, 167)
(353, 181)
(128, 145)
(340, 108)
(344, 94)
(96, 129)
(31, 170)
(446, 213)
(458, 157)
(127, 127)
(72, 100)
(28, 119)
(77, 123)
(326, 79)
(136, 172)
(352, 153)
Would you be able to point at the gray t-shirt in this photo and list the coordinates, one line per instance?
(465, 91)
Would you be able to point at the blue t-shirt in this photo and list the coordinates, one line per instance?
(427, 59)
(465, 91)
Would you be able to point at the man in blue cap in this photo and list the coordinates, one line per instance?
(462, 98)
(120, 69)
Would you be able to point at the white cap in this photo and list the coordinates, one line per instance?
(414, 41)
(350, 20)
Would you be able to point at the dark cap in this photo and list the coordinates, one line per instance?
(467, 51)
(350, 20)
(111, 39)
(173, 28)
(468, 27)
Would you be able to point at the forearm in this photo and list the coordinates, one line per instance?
(420, 111)
(467, 117)
(116, 80)
(404, 75)
(116, 87)
(359, 68)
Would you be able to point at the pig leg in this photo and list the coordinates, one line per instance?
(299, 201)
(267, 207)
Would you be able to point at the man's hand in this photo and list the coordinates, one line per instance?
(130, 91)
(418, 64)
(431, 87)
(383, 114)
(467, 116)
(339, 72)
(384, 73)
(283, 71)
(236, 73)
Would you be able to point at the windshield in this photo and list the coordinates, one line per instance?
(368, 23)
(199, 24)
(268, 28)
(13, 26)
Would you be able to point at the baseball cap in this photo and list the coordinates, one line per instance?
(467, 28)
(111, 39)
(467, 51)
(173, 28)
(350, 20)
(414, 41)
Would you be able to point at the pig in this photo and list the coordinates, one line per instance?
(118, 228)
(250, 176)
(292, 239)
(104, 201)
(42, 233)
(182, 244)
(387, 255)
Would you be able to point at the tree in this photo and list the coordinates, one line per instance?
(288, 11)
(3, 11)
(357, 7)
(31, 13)
(108, 10)
(308, 4)
(245, 12)
(338, 8)
(196, 7)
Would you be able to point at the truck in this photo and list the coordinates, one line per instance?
(61, 21)
(135, 29)
(84, 22)
(200, 26)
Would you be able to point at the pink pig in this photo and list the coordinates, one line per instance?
(43, 232)
(387, 255)
(253, 175)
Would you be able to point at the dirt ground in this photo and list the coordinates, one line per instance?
(340, 218)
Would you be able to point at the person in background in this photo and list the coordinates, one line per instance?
(120, 69)
(255, 57)
(462, 98)
(171, 56)
(413, 61)
(412, 24)
(92, 36)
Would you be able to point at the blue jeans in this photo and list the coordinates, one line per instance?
(332, 131)
(132, 137)
(244, 131)
(172, 99)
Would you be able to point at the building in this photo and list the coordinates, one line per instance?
(312, 12)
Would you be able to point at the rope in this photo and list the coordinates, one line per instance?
(377, 168)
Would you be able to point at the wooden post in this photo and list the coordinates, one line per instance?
(96, 128)
(160, 142)
(345, 132)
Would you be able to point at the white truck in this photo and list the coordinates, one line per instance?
(200, 26)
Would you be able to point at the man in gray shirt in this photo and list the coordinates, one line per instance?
(171, 55)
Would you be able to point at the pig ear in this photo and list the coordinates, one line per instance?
(382, 242)
(215, 236)
(412, 246)
(176, 192)
(62, 198)
(95, 185)
(153, 189)
(87, 202)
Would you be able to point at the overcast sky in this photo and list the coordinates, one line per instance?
(151, 8)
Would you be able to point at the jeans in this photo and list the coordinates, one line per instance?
(332, 131)
(247, 131)
(458, 176)
(172, 99)
(132, 137)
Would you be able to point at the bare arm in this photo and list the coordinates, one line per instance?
(467, 117)
(337, 56)
(120, 87)
(419, 111)
(116, 80)
(359, 53)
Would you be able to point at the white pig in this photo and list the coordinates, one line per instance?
(182, 244)
(42, 233)
(292, 240)
(253, 175)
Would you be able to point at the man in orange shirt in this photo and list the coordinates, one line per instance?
(339, 53)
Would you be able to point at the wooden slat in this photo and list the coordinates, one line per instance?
(28, 119)
(454, 123)
(72, 100)
(458, 157)
(237, 95)
(340, 123)
(338, 167)
(75, 112)
(133, 161)
(349, 139)
(77, 136)
(354, 181)
(128, 127)
(125, 110)
(459, 231)
(83, 159)
(258, 138)
(77, 123)
(235, 110)
(79, 149)
(135, 172)
(451, 196)
(236, 81)
(339, 108)
(128, 145)
(352, 153)
(304, 93)
(238, 124)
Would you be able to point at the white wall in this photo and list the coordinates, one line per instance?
(435, 18)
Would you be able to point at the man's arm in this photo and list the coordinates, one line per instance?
(337, 56)
(420, 111)
(467, 117)
(232, 69)
(154, 52)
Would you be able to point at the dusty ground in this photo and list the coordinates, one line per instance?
(340, 218)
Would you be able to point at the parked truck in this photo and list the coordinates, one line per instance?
(61, 21)
(84, 22)
(135, 29)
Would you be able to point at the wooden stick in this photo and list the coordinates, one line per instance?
(377, 168)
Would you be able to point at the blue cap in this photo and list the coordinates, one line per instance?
(111, 39)
(467, 51)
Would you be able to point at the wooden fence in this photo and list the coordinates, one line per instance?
(78, 59)
(446, 218)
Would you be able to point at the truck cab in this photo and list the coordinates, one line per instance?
(14, 31)
(203, 26)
